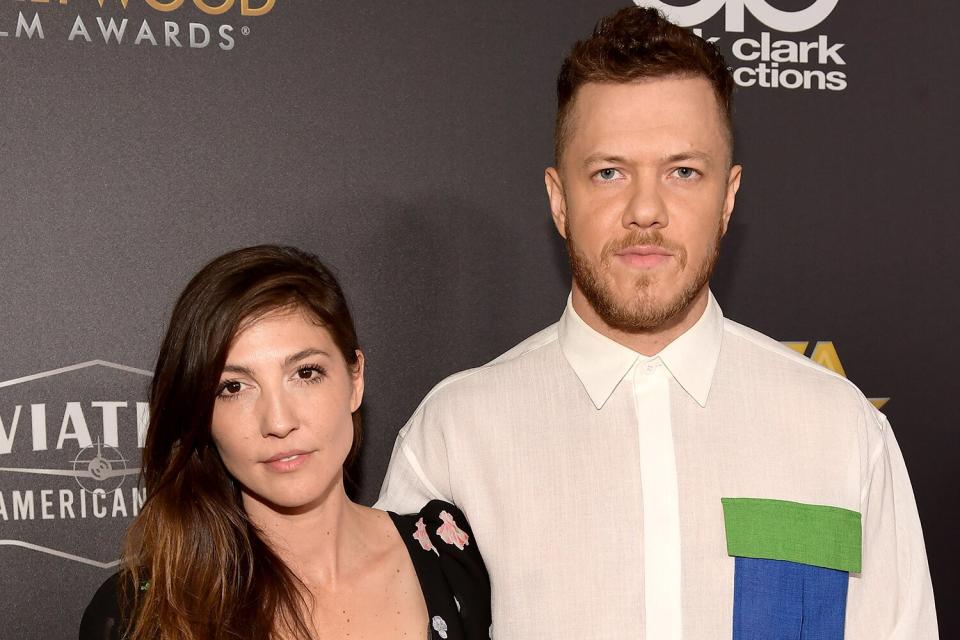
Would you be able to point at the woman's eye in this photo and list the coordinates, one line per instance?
(229, 388)
(311, 373)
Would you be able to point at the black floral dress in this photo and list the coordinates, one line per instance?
(452, 576)
(451, 573)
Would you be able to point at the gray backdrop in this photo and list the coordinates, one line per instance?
(405, 144)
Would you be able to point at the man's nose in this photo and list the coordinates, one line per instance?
(645, 208)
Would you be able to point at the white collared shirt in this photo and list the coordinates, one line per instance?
(592, 477)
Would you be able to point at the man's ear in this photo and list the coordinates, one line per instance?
(558, 200)
(733, 185)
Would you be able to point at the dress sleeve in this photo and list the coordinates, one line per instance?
(461, 566)
(101, 619)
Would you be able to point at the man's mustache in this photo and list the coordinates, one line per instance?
(642, 238)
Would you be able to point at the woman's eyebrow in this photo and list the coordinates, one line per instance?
(304, 353)
(235, 368)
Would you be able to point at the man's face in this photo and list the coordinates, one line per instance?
(643, 194)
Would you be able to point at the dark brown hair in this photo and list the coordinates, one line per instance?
(194, 566)
(637, 43)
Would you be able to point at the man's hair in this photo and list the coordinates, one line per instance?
(633, 44)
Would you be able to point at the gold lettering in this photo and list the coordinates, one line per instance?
(247, 10)
(172, 5)
(826, 354)
(122, 2)
(223, 7)
(799, 347)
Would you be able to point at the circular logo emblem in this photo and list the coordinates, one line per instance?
(99, 467)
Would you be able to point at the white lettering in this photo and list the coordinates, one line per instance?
(170, 31)
(73, 415)
(23, 505)
(145, 34)
(783, 50)
(771, 76)
(712, 40)
(228, 41)
(791, 78)
(195, 28)
(111, 30)
(33, 28)
(38, 424)
(826, 54)
(748, 49)
(66, 504)
(59, 504)
(738, 49)
(98, 509)
(46, 503)
(6, 438)
(740, 77)
(143, 421)
(138, 497)
(810, 74)
(790, 21)
(79, 29)
(836, 80)
(110, 437)
(118, 504)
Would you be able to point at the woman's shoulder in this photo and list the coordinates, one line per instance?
(438, 527)
(450, 567)
(102, 619)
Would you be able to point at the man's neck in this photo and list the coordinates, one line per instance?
(648, 343)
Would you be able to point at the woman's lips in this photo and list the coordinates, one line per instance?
(287, 461)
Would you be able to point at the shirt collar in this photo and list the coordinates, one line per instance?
(600, 363)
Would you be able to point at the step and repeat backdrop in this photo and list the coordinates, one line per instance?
(405, 143)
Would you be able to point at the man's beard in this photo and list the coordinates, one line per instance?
(641, 312)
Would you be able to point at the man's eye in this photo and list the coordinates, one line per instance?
(607, 174)
(686, 173)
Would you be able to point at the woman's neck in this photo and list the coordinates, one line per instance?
(320, 542)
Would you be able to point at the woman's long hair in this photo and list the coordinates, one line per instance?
(194, 566)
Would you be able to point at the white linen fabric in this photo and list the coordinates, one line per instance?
(592, 477)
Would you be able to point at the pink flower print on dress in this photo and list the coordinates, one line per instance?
(450, 533)
(421, 536)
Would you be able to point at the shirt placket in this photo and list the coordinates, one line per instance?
(661, 510)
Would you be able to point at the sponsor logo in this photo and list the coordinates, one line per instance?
(772, 17)
(768, 60)
(70, 442)
(825, 353)
(140, 23)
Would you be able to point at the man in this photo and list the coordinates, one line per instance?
(645, 468)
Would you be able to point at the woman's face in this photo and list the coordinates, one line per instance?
(282, 417)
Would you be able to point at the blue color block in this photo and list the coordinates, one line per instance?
(780, 600)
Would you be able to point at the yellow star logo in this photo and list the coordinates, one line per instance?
(825, 354)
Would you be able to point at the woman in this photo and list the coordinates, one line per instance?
(247, 531)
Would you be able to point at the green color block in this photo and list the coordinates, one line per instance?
(811, 534)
